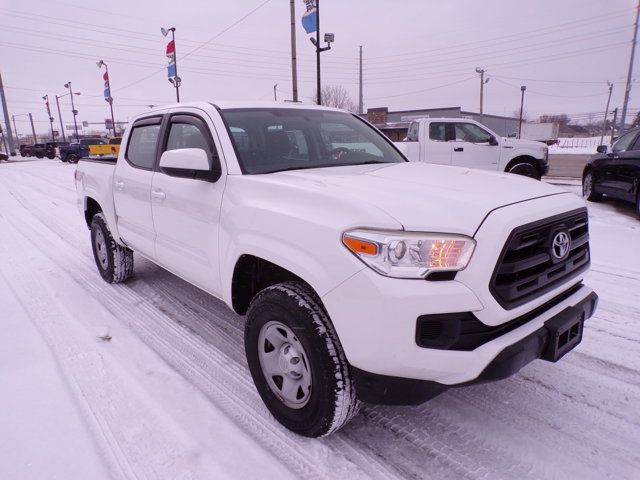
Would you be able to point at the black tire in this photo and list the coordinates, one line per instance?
(72, 158)
(22, 155)
(587, 188)
(114, 262)
(638, 204)
(51, 156)
(525, 169)
(332, 401)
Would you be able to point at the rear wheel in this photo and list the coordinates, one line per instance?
(72, 158)
(114, 262)
(588, 188)
(297, 362)
(525, 169)
(638, 203)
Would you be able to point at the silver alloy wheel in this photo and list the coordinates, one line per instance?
(284, 364)
(587, 185)
(101, 249)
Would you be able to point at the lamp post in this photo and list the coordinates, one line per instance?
(174, 79)
(523, 88)
(107, 92)
(606, 112)
(329, 38)
(46, 102)
(73, 109)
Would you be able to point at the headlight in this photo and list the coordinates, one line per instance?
(409, 254)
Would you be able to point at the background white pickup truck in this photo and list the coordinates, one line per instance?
(362, 276)
(466, 143)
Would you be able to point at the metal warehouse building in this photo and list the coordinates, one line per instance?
(396, 124)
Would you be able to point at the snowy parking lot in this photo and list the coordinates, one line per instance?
(148, 379)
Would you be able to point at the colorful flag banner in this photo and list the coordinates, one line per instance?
(107, 89)
(171, 55)
(310, 17)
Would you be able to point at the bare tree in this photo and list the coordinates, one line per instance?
(525, 114)
(337, 96)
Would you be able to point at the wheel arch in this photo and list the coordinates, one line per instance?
(252, 274)
(91, 207)
(522, 159)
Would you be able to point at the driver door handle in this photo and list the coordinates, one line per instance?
(458, 149)
(119, 184)
(158, 195)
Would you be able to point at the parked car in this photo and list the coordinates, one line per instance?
(463, 142)
(75, 151)
(51, 149)
(38, 150)
(362, 276)
(4, 156)
(25, 150)
(57, 148)
(615, 174)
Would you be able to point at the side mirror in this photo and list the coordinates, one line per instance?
(492, 141)
(188, 163)
(601, 149)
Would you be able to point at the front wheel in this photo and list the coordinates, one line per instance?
(114, 262)
(588, 188)
(72, 158)
(525, 169)
(297, 362)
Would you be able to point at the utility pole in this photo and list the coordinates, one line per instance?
(15, 130)
(360, 96)
(627, 90)
(606, 112)
(275, 92)
(294, 59)
(64, 137)
(12, 149)
(33, 129)
(613, 126)
(482, 71)
(523, 88)
(107, 92)
(73, 109)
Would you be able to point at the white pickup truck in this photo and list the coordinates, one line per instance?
(466, 143)
(363, 277)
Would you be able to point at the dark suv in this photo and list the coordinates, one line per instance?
(615, 173)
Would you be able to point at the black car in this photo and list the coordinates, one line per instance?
(617, 173)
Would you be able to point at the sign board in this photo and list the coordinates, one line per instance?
(55, 133)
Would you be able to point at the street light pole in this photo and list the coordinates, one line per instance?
(175, 80)
(523, 88)
(33, 129)
(328, 38)
(64, 137)
(73, 109)
(275, 92)
(15, 130)
(294, 59)
(606, 112)
(46, 100)
(108, 98)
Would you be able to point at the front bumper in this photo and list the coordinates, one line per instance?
(549, 342)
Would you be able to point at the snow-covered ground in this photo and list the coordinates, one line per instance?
(578, 146)
(148, 379)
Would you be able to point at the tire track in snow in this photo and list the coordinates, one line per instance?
(227, 383)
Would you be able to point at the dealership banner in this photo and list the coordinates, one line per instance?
(107, 90)
(171, 55)
(310, 17)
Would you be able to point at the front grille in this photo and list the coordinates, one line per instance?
(527, 269)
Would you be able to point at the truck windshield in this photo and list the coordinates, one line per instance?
(272, 140)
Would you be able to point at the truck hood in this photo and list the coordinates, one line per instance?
(420, 196)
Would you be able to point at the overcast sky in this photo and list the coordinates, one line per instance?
(417, 53)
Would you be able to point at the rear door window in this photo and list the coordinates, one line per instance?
(141, 150)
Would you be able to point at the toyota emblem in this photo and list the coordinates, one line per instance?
(561, 245)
